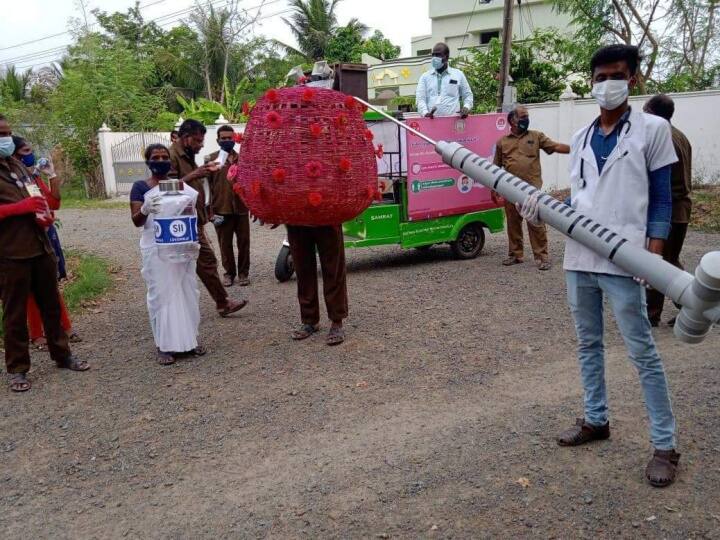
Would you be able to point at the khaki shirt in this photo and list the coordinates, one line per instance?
(182, 165)
(520, 154)
(20, 236)
(681, 178)
(224, 200)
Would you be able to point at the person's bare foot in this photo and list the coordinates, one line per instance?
(228, 280)
(243, 281)
(39, 343)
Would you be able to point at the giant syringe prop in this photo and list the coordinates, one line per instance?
(699, 296)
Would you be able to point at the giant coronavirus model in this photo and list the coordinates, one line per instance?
(307, 158)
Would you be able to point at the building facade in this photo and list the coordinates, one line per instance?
(462, 24)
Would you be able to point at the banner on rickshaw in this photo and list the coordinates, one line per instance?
(435, 189)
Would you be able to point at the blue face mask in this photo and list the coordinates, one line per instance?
(437, 63)
(7, 147)
(28, 159)
(227, 145)
(159, 168)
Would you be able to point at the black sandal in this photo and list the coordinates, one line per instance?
(165, 359)
(305, 331)
(335, 336)
(73, 364)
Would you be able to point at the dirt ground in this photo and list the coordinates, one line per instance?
(436, 419)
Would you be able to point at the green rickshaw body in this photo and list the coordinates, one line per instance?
(429, 205)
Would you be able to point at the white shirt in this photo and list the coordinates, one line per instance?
(618, 198)
(443, 91)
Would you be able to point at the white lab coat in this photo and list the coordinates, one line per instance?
(618, 198)
(452, 88)
(173, 296)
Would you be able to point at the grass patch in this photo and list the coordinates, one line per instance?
(706, 209)
(88, 278)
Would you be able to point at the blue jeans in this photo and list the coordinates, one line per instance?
(585, 292)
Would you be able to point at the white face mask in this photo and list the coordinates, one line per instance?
(610, 94)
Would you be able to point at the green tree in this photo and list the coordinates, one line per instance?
(313, 24)
(100, 85)
(345, 45)
(540, 67)
(380, 47)
(14, 85)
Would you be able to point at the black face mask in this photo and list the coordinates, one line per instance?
(523, 124)
(159, 168)
(227, 145)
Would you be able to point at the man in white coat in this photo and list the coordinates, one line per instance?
(620, 176)
(440, 90)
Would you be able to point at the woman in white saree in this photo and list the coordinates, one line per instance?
(172, 289)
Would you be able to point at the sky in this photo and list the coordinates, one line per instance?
(399, 20)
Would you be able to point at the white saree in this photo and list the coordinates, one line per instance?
(173, 297)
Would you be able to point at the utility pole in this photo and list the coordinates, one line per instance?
(506, 45)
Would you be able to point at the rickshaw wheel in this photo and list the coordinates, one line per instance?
(470, 242)
(284, 267)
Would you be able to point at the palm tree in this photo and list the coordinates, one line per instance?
(15, 84)
(313, 24)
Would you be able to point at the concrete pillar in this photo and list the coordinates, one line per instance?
(105, 147)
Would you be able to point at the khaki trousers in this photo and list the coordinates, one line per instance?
(537, 234)
(235, 227)
(19, 278)
(329, 243)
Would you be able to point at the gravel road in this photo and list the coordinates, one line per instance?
(436, 418)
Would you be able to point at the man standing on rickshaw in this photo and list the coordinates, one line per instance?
(440, 90)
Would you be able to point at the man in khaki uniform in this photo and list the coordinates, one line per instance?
(231, 217)
(27, 266)
(519, 153)
(182, 156)
(681, 184)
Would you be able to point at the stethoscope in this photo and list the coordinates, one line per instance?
(625, 124)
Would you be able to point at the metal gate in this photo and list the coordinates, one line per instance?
(128, 160)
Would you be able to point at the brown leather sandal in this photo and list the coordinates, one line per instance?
(305, 331)
(19, 382)
(165, 358)
(583, 433)
(336, 336)
(73, 364)
(511, 261)
(231, 307)
(661, 470)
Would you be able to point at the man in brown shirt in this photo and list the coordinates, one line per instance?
(519, 153)
(231, 218)
(27, 266)
(681, 184)
(182, 156)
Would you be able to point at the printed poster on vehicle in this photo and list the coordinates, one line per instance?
(435, 189)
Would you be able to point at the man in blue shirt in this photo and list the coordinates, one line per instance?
(620, 177)
(440, 90)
